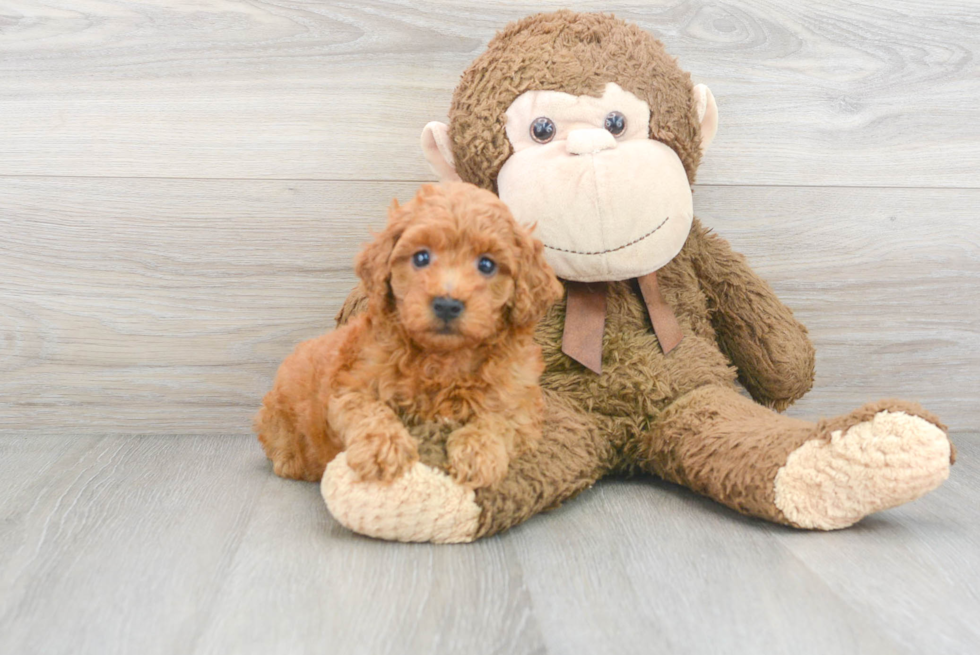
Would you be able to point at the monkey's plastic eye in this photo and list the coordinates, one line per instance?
(421, 259)
(543, 129)
(615, 123)
(486, 266)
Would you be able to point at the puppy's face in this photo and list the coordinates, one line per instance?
(455, 268)
(452, 276)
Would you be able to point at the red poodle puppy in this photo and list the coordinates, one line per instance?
(455, 288)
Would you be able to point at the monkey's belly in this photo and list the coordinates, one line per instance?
(638, 380)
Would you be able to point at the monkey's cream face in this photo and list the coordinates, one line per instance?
(610, 203)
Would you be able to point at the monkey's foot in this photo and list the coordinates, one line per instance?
(832, 482)
(424, 504)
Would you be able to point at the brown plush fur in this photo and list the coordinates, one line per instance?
(397, 365)
(680, 415)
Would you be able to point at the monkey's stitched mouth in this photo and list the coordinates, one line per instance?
(605, 252)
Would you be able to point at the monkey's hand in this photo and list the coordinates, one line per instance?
(771, 349)
(355, 303)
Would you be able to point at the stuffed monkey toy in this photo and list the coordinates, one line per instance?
(585, 126)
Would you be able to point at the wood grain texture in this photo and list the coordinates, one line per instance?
(303, 583)
(165, 306)
(644, 567)
(815, 93)
(118, 545)
(175, 544)
(928, 559)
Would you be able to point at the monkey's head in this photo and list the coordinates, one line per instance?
(584, 125)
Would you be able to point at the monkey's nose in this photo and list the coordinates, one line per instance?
(588, 141)
(447, 309)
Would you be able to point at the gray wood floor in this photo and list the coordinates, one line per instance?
(177, 544)
(183, 186)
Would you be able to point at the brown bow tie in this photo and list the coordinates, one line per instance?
(585, 320)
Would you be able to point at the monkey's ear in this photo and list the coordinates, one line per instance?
(704, 100)
(438, 150)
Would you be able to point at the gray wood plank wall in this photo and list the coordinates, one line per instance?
(183, 186)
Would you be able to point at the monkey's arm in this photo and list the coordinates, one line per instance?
(356, 302)
(771, 349)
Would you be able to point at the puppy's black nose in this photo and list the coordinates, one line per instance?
(447, 308)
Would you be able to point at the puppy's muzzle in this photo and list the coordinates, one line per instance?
(447, 309)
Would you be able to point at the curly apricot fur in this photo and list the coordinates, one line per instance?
(355, 388)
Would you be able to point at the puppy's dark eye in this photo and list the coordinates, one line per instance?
(421, 259)
(486, 265)
(543, 129)
(615, 123)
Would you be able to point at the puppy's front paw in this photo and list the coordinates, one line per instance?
(476, 460)
(382, 457)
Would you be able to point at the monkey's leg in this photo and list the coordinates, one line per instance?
(427, 505)
(824, 476)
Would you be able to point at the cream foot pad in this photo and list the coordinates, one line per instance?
(422, 505)
(873, 465)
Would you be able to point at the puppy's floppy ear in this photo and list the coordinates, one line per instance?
(372, 263)
(535, 286)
